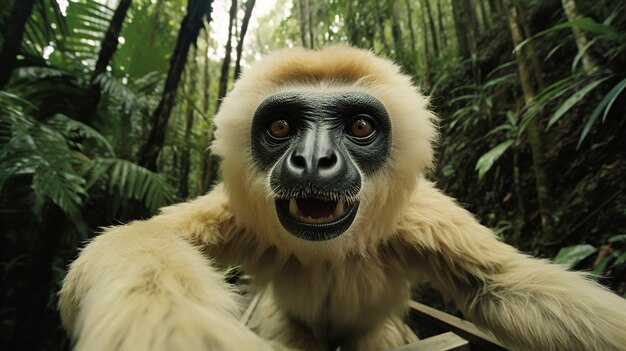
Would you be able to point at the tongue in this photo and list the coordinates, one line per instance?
(316, 208)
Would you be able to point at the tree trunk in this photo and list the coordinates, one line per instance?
(12, 33)
(310, 25)
(212, 163)
(472, 18)
(111, 39)
(530, 50)
(460, 28)
(88, 107)
(188, 33)
(495, 7)
(224, 73)
(244, 29)
(535, 130)
(427, 74)
(433, 31)
(444, 40)
(381, 27)
(466, 28)
(206, 83)
(350, 26)
(205, 158)
(483, 14)
(569, 6)
(302, 22)
(185, 164)
(396, 32)
(409, 12)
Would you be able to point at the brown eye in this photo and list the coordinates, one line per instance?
(361, 128)
(279, 128)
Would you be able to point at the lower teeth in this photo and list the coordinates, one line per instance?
(295, 213)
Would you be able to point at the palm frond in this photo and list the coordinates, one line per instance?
(131, 181)
(52, 90)
(86, 21)
(121, 93)
(29, 147)
(73, 129)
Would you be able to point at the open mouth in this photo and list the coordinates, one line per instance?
(316, 211)
(315, 219)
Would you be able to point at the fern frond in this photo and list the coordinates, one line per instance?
(71, 128)
(32, 148)
(131, 181)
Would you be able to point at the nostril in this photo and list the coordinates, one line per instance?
(327, 162)
(298, 161)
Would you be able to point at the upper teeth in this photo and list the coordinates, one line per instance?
(295, 212)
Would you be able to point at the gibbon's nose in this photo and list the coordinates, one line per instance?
(316, 156)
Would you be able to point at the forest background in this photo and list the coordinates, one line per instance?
(106, 110)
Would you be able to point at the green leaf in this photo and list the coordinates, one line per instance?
(614, 93)
(67, 126)
(510, 116)
(132, 181)
(498, 80)
(588, 25)
(498, 129)
(599, 268)
(605, 104)
(572, 100)
(462, 112)
(618, 237)
(41, 151)
(554, 50)
(572, 255)
(621, 258)
(490, 157)
(585, 23)
(501, 67)
(489, 102)
(581, 52)
(549, 94)
(464, 97)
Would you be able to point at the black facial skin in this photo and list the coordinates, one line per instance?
(316, 161)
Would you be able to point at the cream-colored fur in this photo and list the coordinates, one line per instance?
(151, 285)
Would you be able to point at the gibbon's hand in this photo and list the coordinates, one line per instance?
(144, 287)
(527, 303)
(138, 288)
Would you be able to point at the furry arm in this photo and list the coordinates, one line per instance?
(529, 304)
(146, 286)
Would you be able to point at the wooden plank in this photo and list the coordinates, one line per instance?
(247, 316)
(461, 327)
(442, 342)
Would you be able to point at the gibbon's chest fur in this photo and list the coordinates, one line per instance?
(347, 297)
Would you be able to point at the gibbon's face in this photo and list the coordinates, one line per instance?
(321, 150)
(315, 146)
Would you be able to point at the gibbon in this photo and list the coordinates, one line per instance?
(325, 202)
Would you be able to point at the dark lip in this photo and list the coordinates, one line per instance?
(315, 231)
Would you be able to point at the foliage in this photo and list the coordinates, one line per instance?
(32, 148)
(50, 160)
(130, 180)
(611, 256)
(582, 83)
(60, 171)
(571, 255)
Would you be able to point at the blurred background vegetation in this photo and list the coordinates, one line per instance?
(106, 110)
